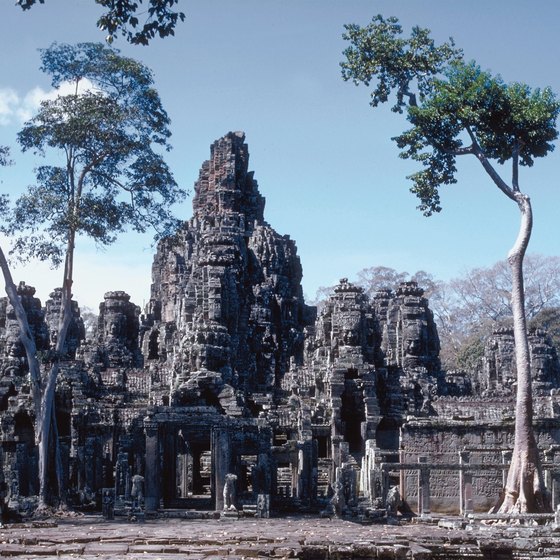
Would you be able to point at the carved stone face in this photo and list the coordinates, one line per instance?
(116, 327)
(351, 337)
(14, 349)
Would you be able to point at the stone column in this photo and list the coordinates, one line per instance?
(221, 463)
(89, 456)
(152, 479)
(549, 458)
(385, 485)
(305, 471)
(465, 485)
(423, 488)
(506, 460)
(369, 472)
(263, 485)
(552, 479)
(336, 452)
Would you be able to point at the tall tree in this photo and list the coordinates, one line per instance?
(457, 109)
(106, 138)
(139, 21)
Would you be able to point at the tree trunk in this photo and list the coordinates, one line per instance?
(28, 342)
(26, 335)
(45, 421)
(48, 416)
(525, 491)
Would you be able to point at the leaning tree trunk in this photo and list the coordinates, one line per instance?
(26, 336)
(48, 416)
(525, 491)
(43, 397)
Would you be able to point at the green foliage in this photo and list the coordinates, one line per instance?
(499, 119)
(462, 109)
(4, 155)
(112, 177)
(123, 16)
(549, 320)
(378, 52)
(469, 356)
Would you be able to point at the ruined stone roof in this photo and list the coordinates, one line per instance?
(225, 185)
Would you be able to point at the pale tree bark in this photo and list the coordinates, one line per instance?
(43, 397)
(47, 421)
(525, 490)
(26, 335)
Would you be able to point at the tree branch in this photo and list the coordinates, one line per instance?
(515, 166)
(113, 180)
(467, 150)
(498, 181)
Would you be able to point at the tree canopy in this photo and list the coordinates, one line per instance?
(112, 176)
(455, 108)
(139, 21)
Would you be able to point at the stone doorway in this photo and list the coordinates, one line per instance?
(187, 471)
(352, 412)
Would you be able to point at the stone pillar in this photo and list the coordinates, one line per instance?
(552, 479)
(305, 471)
(263, 483)
(555, 489)
(122, 476)
(423, 488)
(221, 464)
(506, 460)
(370, 475)
(294, 462)
(336, 452)
(465, 485)
(549, 458)
(385, 485)
(89, 456)
(402, 475)
(152, 473)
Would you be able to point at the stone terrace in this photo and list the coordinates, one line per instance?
(296, 537)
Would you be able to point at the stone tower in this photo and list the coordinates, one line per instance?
(226, 314)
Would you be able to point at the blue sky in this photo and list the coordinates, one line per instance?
(323, 158)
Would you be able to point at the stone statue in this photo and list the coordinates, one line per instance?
(108, 505)
(137, 492)
(337, 502)
(395, 504)
(393, 501)
(263, 505)
(229, 492)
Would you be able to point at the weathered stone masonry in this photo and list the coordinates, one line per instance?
(229, 372)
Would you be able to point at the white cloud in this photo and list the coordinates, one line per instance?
(18, 109)
(9, 102)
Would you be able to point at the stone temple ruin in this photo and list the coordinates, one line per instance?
(229, 392)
